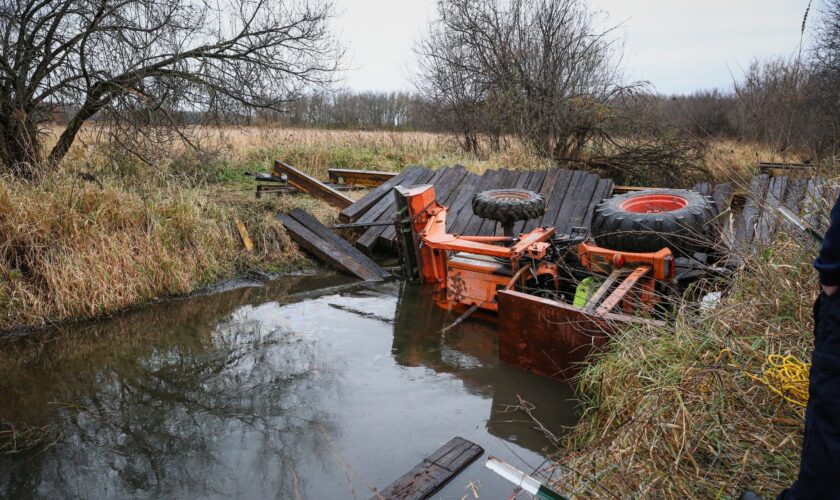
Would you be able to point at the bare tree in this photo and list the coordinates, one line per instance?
(545, 65)
(452, 79)
(147, 64)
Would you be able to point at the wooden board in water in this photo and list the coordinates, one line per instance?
(433, 471)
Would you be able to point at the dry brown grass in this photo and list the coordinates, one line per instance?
(667, 415)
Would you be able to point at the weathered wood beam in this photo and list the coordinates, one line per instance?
(329, 247)
(434, 471)
(311, 185)
(367, 178)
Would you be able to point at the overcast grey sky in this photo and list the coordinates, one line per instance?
(679, 46)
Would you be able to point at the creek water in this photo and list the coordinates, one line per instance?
(306, 387)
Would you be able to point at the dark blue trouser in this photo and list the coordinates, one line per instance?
(819, 468)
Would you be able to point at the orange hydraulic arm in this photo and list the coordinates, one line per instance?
(429, 222)
(604, 260)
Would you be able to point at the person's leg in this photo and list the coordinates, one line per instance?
(819, 469)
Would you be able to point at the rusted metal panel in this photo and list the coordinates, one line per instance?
(468, 287)
(552, 338)
(545, 336)
(312, 186)
(433, 471)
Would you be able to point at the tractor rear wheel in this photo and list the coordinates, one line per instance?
(649, 220)
(508, 206)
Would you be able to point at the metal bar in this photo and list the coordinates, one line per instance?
(486, 239)
(516, 276)
(622, 290)
(522, 480)
(800, 224)
(605, 287)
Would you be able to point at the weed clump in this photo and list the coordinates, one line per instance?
(670, 413)
(71, 249)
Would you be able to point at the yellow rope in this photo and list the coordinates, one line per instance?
(786, 376)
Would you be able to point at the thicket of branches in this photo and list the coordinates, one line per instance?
(549, 73)
(142, 64)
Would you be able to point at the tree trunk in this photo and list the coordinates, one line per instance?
(20, 146)
(93, 103)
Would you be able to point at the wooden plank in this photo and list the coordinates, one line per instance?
(564, 210)
(462, 201)
(375, 212)
(795, 194)
(722, 194)
(324, 232)
(367, 178)
(472, 223)
(745, 226)
(434, 471)
(704, 188)
(812, 204)
(313, 236)
(311, 185)
(768, 221)
(766, 167)
(554, 198)
(360, 207)
(384, 209)
(247, 242)
(601, 191)
(582, 202)
(444, 192)
(546, 189)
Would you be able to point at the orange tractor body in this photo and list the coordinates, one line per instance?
(473, 269)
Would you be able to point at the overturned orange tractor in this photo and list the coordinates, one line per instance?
(557, 296)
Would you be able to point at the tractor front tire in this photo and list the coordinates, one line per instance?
(508, 205)
(650, 220)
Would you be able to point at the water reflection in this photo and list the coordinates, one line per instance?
(280, 391)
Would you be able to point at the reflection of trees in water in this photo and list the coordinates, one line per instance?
(186, 417)
(469, 352)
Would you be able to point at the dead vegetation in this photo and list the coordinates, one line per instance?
(669, 413)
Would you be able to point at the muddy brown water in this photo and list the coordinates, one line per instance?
(309, 387)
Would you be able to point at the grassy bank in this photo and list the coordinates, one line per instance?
(669, 414)
(73, 248)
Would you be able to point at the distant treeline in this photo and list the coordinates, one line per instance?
(359, 110)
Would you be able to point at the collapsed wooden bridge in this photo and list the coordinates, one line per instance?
(751, 214)
(570, 196)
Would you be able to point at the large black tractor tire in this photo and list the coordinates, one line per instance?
(508, 206)
(649, 220)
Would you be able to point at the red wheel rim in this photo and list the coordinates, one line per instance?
(653, 203)
(510, 195)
